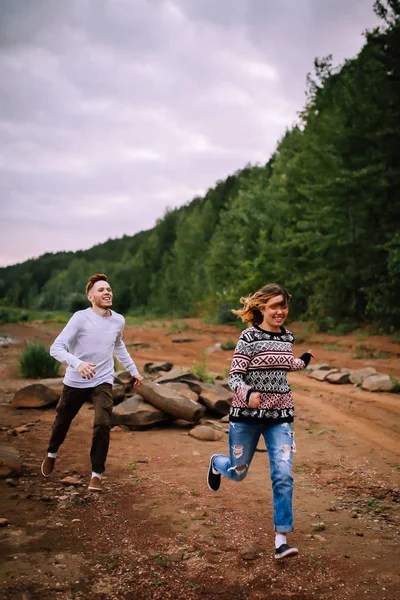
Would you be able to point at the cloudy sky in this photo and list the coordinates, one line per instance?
(112, 110)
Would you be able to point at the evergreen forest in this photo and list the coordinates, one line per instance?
(321, 217)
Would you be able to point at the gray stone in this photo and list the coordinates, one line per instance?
(340, 377)
(358, 375)
(155, 367)
(136, 413)
(378, 383)
(205, 433)
(322, 374)
(321, 367)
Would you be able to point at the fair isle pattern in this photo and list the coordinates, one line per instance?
(260, 363)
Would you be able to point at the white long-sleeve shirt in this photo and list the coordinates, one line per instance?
(88, 337)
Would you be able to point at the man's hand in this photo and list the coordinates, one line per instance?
(254, 400)
(86, 370)
(138, 380)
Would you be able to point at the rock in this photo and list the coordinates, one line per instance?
(184, 389)
(10, 462)
(177, 374)
(205, 433)
(71, 481)
(36, 395)
(340, 377)
(358, 375)
(123, 378)
(136, 413)
(320, 526)
(378, 383)
(19, 430)
(249, 553)
(118, 393)
(225, 419)
(4, 522)
(215, 348)
(182, 340)
(151, 367)
(216, 398)
(321, 367)
(171, 402)
(322, 374)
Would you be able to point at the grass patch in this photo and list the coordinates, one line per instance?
(334, 348)
(365, 351)
(36, 362)
(228, 345)
(200, 369)
(20, 315)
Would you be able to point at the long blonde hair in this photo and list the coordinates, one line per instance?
(252, 304)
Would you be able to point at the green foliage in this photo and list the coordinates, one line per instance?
(201, 370)
(228, 345)
(36, 362)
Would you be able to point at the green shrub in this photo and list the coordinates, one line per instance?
(36, 362)
(228, 345)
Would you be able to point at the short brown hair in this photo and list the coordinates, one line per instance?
(93, 279)
(251, 310)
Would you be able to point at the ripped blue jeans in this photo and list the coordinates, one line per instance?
(243, 440)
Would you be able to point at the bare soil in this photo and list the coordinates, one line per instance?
(157, 532)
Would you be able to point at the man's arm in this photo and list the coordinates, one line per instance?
(60, 347)
(124, 357)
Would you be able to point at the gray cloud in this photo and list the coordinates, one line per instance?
(111, 110)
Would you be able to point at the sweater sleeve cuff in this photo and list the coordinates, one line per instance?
(75, 362)
(305, 357)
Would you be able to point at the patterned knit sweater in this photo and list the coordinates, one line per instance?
(260, 364)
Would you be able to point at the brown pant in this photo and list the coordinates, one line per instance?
(71, 401)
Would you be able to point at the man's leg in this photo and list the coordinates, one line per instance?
(68, 406)
(243, 439)
(103, 402)
(280, 444)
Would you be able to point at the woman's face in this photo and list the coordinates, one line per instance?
(274, 313)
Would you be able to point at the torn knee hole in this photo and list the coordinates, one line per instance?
(241, 468)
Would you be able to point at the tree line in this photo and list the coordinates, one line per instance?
(321, 216)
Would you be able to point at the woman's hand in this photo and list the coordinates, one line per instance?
(312, 354)
(254, 400)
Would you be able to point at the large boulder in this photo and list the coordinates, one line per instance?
(10, 462)
(216, 398)
(36, 395)
(136, 413)
(319, 367)
(379, 383)
(171, 402)
(184, 389)
(357, 376)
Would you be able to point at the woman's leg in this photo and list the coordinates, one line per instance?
(280, 444)
(243, 439)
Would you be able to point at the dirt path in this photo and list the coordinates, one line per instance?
(157, 532)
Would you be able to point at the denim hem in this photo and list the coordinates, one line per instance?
(283, 529)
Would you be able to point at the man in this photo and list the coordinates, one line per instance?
(87, 345)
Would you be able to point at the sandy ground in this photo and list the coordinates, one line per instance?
(156, 531)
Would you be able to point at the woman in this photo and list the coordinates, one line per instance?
(262, 404)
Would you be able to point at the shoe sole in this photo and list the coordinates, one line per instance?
(210, 467)
(43, 473)
(287, 553)
(94, 489)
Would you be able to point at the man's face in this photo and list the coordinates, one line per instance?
(101, 294)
